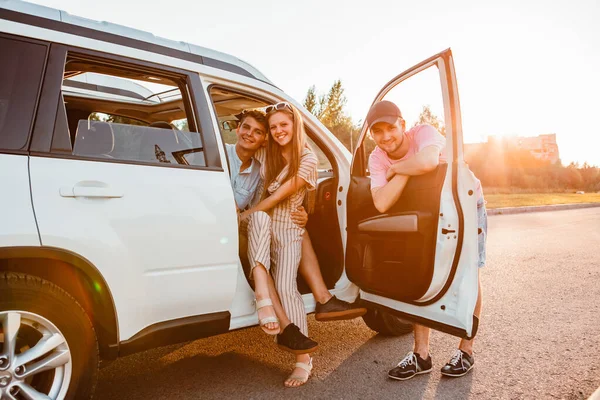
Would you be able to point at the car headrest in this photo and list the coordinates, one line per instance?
(161, 124)
(94, 138)
(165, 125)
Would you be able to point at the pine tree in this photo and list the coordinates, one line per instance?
(310, 101)
(333, 114)
(427, 117)
(329, 109)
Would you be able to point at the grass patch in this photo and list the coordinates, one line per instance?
(538, 199)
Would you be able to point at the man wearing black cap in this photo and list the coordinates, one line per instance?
(401, 153)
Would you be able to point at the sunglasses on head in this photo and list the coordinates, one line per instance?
(278, 107)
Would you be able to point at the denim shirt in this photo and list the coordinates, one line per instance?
(244, 183)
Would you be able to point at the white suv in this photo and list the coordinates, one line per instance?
(118, 229)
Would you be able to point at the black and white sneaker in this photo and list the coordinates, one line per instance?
(459, 364)
(410, 366)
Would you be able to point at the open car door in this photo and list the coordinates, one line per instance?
(420, 259)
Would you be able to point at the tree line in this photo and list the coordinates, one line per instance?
(505, 165)
(502, 165)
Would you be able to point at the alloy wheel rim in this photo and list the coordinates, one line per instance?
(35, 362)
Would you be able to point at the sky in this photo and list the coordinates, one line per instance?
(523, 67)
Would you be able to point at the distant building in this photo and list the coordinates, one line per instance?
(543, 147)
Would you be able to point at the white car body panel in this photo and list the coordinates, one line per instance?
(18, 226)
(167, 248)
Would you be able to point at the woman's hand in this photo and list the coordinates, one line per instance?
(299, 217)
(284, 191)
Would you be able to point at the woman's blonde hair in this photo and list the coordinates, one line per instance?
(275, 161)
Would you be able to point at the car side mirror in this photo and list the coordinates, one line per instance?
(229, 125)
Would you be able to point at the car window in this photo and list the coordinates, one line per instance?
(100, 116)
(181, 124)
(122, 114)
(324, 165)
(420, 99)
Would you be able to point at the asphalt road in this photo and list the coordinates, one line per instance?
(539, 335)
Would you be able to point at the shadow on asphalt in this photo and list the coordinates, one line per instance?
(363, 375)
(454, 388)
(245, 364)
(228, 375)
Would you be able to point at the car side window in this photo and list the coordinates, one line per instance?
(128, 114)
(20, 76)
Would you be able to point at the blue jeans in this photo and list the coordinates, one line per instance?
(481, 230)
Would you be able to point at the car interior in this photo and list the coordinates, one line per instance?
(322, 226)
(117, 113)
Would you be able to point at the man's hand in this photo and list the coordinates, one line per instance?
(299, 217)
(386, 196)
(418, 164)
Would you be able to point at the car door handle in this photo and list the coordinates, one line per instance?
(92, 189)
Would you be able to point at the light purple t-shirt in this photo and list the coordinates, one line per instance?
(419, 137)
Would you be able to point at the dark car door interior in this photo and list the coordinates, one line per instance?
(324, 231)
(393, 254)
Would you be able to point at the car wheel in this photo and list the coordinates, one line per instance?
(49, 347)
(386, 323)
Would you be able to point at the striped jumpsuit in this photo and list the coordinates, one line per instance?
(258, 232)
(257, 227)
(286, 240)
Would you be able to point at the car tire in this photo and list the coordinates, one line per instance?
(385, 323)
(35, 311)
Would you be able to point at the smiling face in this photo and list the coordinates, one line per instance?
(281, 127)
(251, 134)
(389, 137)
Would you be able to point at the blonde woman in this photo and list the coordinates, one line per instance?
(290, 175)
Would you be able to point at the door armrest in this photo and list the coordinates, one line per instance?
(398, 222)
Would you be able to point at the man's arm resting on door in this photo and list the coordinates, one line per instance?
(422, 162)
(386, 196)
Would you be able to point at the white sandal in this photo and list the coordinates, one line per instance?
(307, 367)
(266, 303)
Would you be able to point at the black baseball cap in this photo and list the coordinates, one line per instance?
(383, 111)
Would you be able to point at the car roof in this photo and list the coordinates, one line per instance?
(34, 14)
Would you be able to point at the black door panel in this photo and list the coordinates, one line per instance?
(393, 254)
(324, 231)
